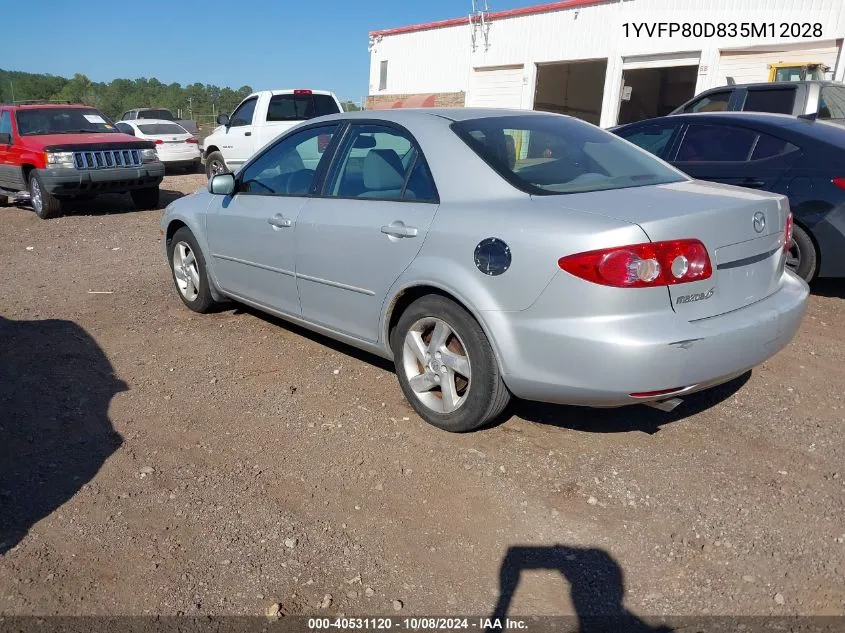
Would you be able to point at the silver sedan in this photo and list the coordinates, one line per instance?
(493, 253)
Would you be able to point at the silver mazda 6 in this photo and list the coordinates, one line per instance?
(496, 253)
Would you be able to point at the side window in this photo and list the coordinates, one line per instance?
(125, 116)
(714, 102)
(125, 128)
(243, 115)
(716, 143)
(771, 146)
(652, 138)
(379, 162)
(778, 100)
(288, 168)
(832, 103)
(5, 123)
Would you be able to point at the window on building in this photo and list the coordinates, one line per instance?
(382, 79)
(778, 100)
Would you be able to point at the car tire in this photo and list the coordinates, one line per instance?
(802, 257)
(4, 200)
(477, 398)
(145, 199)
(215, 164)
(46, 205)
(190, 276)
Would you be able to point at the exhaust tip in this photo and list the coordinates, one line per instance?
(667, 406)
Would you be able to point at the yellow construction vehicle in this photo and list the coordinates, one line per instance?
(798, 71)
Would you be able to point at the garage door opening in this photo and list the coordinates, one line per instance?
(653, 92)
(573, 88)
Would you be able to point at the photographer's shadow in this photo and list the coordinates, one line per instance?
(55, 434)
(597, 586)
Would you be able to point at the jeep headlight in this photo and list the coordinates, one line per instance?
(59, 159)
(149, 155)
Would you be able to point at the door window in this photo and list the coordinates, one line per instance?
(289, 167)
(652, 138)
(778, 100)
(716, 143)
(714, 102)
(243, 115)
(832, 103)
(125, 128)
(379, 162)
(5, 123)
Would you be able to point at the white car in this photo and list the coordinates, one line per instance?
(259, 119)
(175, 146)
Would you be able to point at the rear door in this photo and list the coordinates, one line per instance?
(353, 242)
(734, 155)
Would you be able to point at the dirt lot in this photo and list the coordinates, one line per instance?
(157, 461)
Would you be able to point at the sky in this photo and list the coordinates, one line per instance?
(265, 44)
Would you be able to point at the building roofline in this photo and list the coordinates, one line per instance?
(493, 15)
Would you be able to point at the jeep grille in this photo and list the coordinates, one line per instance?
(107, 159)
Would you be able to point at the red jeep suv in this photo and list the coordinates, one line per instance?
(57, 152)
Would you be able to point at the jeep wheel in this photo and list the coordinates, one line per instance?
(145, 199)
(45, 204)
(215, 164)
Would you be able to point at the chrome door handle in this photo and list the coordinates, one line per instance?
(398, 229)
(279, 221)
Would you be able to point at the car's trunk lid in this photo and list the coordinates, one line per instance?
(742, 230)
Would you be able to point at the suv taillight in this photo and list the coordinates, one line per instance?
(787, 232)
(642, 265)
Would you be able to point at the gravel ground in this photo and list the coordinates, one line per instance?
(155, 461)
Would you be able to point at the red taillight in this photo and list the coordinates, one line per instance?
(642, 265)
(839, 182)
(302, 92)
(192, 140)
(158, 141)
(787, 232)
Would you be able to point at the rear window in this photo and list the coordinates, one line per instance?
(777, 100)
(832, 103)
(162, 128)
(155, 114)
(302, 107)
(550, 155)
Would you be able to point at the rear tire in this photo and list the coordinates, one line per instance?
(187, 267)
(145, 199)
(46, 205)
(453, 383)
(215, 164)
(802, 257)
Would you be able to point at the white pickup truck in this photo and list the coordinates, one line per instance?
(257, 120)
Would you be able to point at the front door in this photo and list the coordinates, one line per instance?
(10, 173)
(252, 234)
(353, 242)
(239, 144)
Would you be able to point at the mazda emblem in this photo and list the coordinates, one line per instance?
(759, 221)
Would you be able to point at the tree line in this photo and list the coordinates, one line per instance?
(197, 101)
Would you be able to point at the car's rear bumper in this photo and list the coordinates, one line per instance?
(600, 362)
(70, 182)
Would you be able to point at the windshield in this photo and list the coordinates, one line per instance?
(547, 154)
(162, 128)
(34, 121)
(155, 114)
(832, 103)
(300, 107)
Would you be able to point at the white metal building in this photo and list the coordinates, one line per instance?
(579, 57)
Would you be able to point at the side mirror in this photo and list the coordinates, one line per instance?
(222, 184)
(223, 119)
(5, 138)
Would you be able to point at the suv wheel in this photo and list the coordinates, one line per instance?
(446, 367)
(45, 204)
(145, 199)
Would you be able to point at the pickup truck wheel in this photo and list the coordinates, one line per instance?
(145, 199)
(45, 204)
(215, 164)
